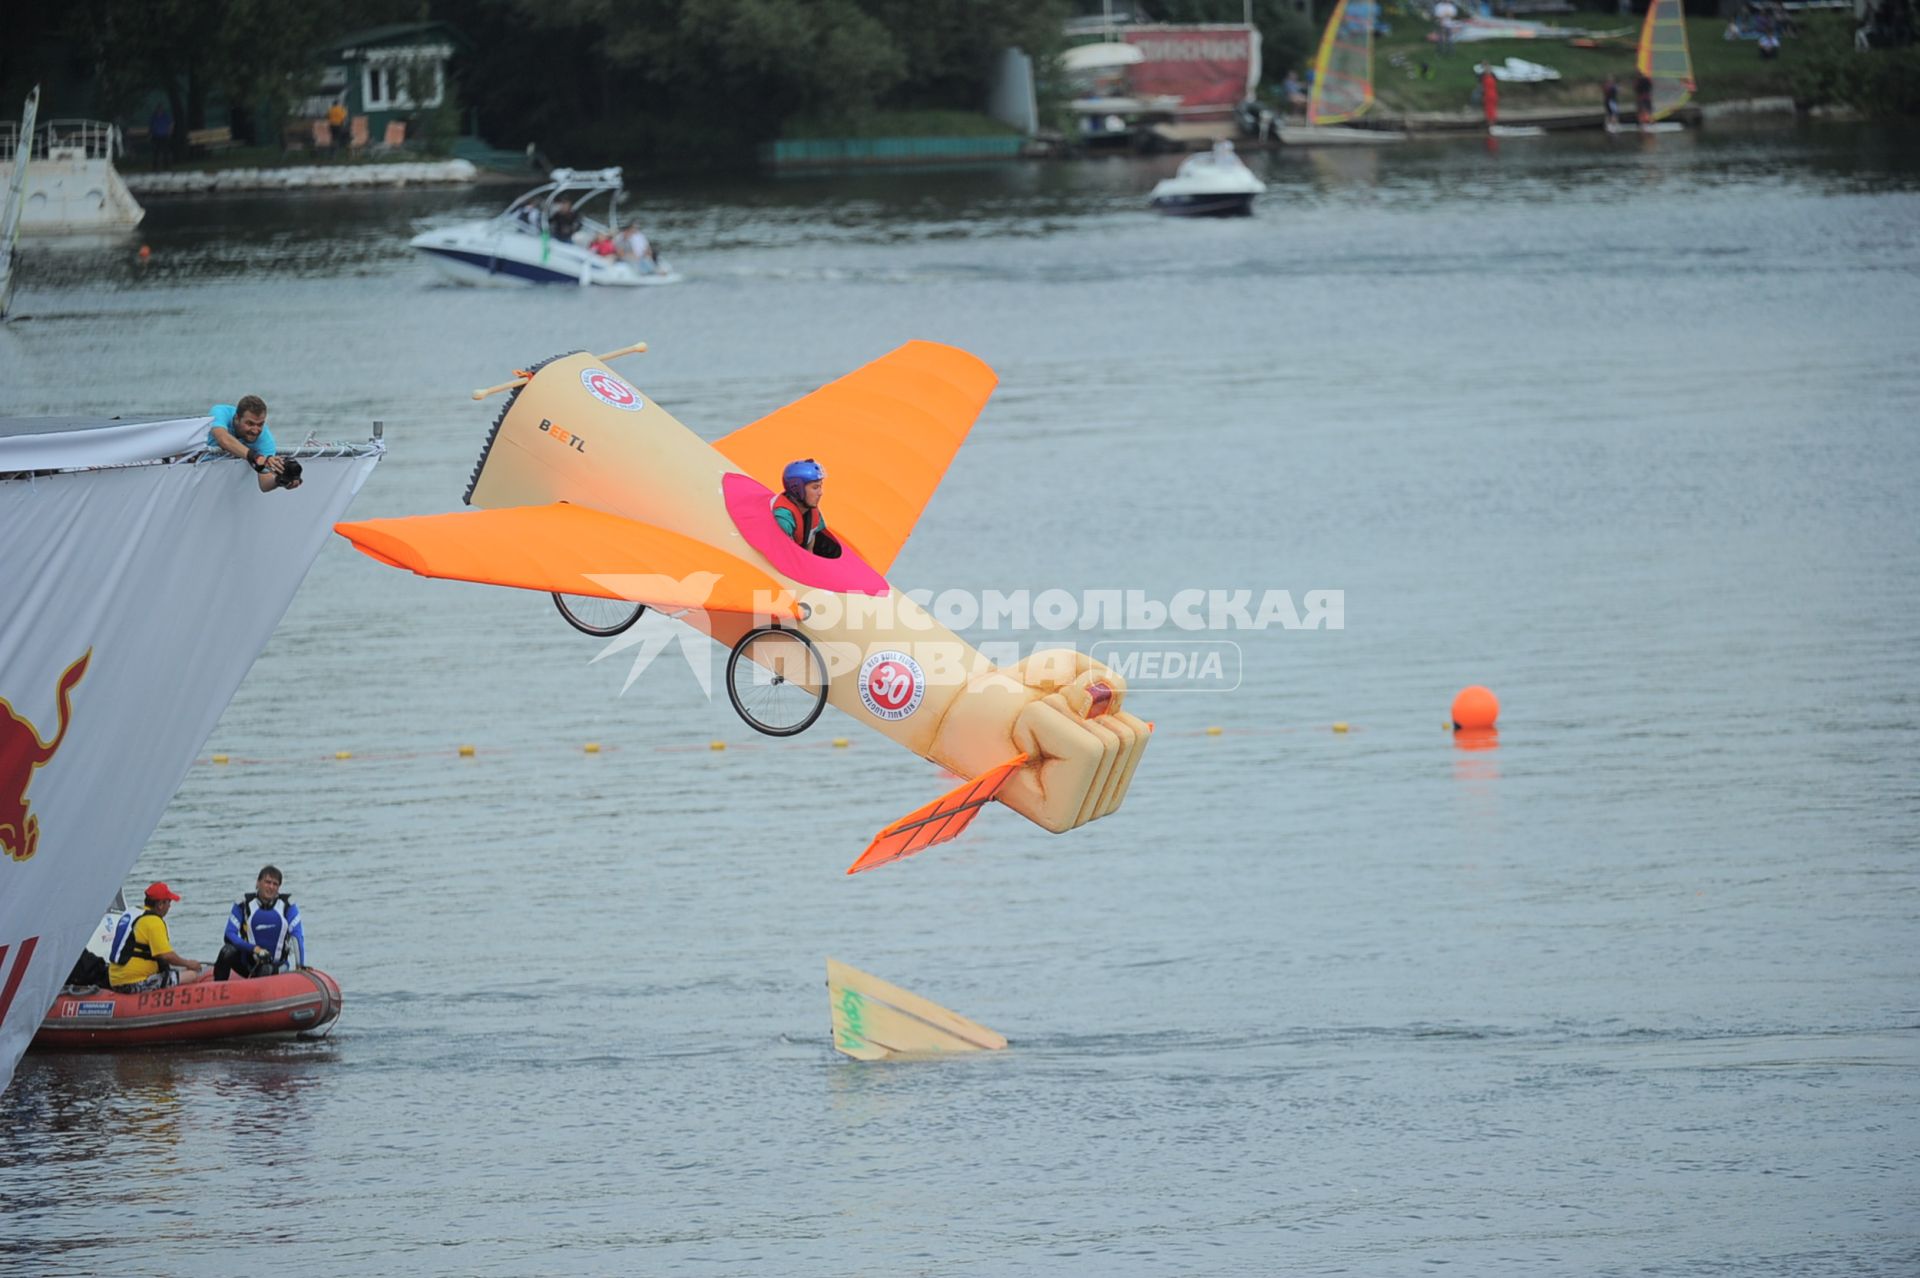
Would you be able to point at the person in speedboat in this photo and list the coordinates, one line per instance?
(241, 430)
(265, 934)
(563, 223)
(633, 246)
(142, 957)
(797, 510)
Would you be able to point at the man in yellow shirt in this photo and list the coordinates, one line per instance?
(144, 952)
(336, 126)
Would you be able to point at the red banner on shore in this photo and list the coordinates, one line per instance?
(1210, 67)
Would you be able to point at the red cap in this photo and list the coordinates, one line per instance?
(161, 892)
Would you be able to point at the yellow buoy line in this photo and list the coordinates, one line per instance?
(471, 750)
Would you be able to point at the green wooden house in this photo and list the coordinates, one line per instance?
(397, 72)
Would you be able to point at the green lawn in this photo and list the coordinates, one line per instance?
(1723, 69)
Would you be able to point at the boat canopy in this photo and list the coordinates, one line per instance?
(577, 185)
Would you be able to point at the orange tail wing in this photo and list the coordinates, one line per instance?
(937, 822)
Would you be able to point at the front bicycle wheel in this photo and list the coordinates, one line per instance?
(777, 681)
(601, 618)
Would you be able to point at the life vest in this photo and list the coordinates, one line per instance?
(806, 520)
(125, 949)
(281, 904)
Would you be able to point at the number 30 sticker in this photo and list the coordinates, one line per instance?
(608, 389)
(891, 685)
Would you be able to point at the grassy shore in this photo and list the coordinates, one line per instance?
(1725, 70)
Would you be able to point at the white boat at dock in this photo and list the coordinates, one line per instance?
(75, 188)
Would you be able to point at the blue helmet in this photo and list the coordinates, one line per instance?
(804, 471)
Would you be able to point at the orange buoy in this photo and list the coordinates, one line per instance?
(145, 252)
(1475, 707)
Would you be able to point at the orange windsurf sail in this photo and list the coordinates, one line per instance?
(885, 433)
(572, 550)
(937, 822)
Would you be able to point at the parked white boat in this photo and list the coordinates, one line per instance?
(518, 246)
(75, 188)
(1214, 183)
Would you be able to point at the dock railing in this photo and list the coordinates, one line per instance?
(95, 139)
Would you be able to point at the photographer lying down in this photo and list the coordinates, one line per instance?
(241, 429)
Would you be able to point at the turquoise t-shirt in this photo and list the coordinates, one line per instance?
(222, 415)
(784, 517)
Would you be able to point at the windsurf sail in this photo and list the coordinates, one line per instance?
(1664, 57)
(937, 822)
(873, 1020)
(1343, 69)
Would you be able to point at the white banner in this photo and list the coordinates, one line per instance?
(60, 443)
(133, 600)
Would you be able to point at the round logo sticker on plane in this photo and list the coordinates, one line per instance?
(608, 389)
(891, 685)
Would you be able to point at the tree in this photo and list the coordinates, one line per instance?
(255, 53)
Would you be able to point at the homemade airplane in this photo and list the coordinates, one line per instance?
(593, 492)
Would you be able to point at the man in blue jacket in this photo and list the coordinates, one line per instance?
(264, 932)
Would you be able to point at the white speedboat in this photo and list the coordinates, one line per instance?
(519, 247)
(1213, 183)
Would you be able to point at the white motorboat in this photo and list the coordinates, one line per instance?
(1213, 183)
(519, 247)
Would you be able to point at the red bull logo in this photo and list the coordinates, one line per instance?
(21, 751)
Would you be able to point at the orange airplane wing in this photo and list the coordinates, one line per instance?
(885, 433)
(572, 550)
(937, 822)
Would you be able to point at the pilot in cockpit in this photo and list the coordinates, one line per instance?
(797, 510)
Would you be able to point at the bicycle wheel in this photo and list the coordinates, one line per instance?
(777, 681)
(601, 618)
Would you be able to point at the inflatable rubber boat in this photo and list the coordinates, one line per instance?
(304, 1003)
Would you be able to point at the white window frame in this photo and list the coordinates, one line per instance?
(386, 64)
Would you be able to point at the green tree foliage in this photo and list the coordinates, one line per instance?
(1828, 69)
(637, 80)
(252, 53)
(949, 45)
(760, 60)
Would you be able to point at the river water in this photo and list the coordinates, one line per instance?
(1622, 429)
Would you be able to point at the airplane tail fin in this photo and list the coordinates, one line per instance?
(938, 821)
